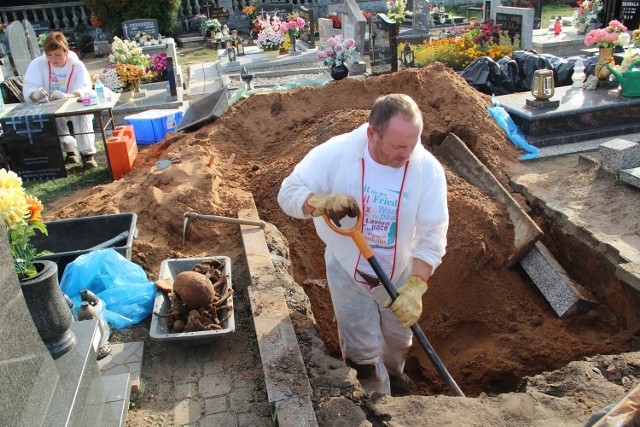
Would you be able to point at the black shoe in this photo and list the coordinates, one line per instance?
(400, 385)
(88, 162)
(72, 158)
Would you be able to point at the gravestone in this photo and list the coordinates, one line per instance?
(536, 5)
(517, 21)
(280, 10)
(41, 27)
(221, 14)
(354, 24)
(32, 142)
(630, 14)
(326, 30)
(18, 47)
(421, 17)
(486, 11)
(28, 374)
(32, 39)
(307, 35)
(133, 27)
(190, 26)
(384, 45)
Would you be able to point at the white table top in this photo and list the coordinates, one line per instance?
(60, 108)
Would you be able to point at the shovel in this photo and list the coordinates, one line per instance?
(368, 253)
(189, 215)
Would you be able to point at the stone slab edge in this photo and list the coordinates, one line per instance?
(563, 294)
(288, 388)
(629, 273)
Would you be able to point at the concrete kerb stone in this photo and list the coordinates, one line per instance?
(286, 381)
(563, 294)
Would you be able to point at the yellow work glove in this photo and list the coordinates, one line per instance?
(408, 306)
(335, 206)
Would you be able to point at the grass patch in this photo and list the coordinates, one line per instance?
(77, 179)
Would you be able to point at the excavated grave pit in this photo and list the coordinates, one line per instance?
(488, 323)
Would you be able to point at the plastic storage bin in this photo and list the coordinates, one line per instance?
(159, 330)
(151, 126)
(70, 238)
(122, 150)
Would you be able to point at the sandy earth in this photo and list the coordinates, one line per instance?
(488, 323)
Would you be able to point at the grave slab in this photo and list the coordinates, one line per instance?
(565, 296)
(618, 154)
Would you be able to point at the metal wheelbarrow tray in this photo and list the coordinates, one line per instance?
(169, 269)
(204, 110)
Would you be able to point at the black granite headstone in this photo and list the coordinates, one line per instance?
(41, 27)
(486, 7)
(536, 5)
(133, 27)
(384, 45)
(189, 25)
(307, 35)
(221, 14)
(33, 147)
(511, 23)
(630, 14)
(281, 10)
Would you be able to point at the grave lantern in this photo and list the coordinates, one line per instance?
(231, 54)
(240, 47)
(407, 55)
(441, 7)
(542, 87)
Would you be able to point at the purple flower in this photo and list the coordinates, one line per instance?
(349, 43)
(320, 54)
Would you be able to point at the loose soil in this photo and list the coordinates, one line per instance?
(488, 323)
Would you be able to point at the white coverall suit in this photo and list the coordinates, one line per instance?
(38, 75)
(369, 333)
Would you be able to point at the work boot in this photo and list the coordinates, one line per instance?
(88, 162)
(400, 384)
(72, 158)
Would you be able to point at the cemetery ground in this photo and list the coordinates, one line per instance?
(516, 361)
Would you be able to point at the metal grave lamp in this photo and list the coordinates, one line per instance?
(408, 58)
(240, 47)
(542, 87)
(441, 7)
(231, 54)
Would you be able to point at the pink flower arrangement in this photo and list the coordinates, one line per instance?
(159, 62)
(612, 35)
(336, 51)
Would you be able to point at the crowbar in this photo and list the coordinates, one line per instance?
(189, 215)
(368, 253)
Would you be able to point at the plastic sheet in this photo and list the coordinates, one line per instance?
(512, 130)
(491, 77)
(244, 92)
(122, 285)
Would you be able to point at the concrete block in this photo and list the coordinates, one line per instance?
(631, 176)
(618, 154)
(565, 296)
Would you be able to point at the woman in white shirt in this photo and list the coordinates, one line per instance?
(59, 74)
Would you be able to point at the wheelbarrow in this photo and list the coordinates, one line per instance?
(204, 110)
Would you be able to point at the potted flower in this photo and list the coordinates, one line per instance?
(292, 27)
(201, 22)
(21, 215)
(635, 37)
(271, 36)
(586, 13)
(606, 39)
(335, 53)
(213, 27)
(158, 67)
(336, 19)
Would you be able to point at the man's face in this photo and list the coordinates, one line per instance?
(57, 57)
(394, 147)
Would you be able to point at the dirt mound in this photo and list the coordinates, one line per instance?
(489, 324)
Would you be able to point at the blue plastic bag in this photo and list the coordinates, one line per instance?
(512, 130)
(122, 285)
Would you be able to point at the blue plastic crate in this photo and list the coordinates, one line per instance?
(151, 126)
